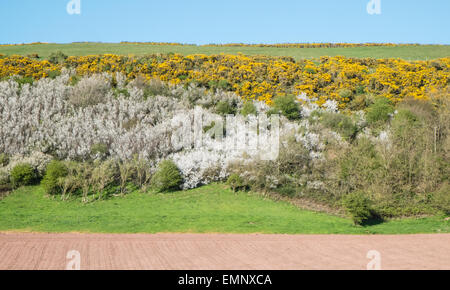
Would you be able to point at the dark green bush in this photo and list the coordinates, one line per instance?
(287, 106)
(99, 150)
(73, 81)
(23, 174)
(248, 109)
(286, 190)
(221, 85)
(4, 159)
(24, 80)
(152, 88)
(167, 177)
(55, 171)
(341, 124)
(360, 90)
(57, 57)
(225, 108)
(358, 208)
(345, 93)
(379, 111)
(53, 74)
(235, 182)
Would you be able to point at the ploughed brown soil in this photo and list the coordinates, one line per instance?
(222, 251)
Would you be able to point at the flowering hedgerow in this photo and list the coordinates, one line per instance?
(260, 77)
(48, 118)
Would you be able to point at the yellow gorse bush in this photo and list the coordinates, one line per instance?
(261, 77)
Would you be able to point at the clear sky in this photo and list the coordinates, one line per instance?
(215, 21)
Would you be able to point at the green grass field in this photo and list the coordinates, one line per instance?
(423, 52)
(208, 209)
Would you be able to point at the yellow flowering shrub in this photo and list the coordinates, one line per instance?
(261, 77)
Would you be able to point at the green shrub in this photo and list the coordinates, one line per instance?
(441, 200)
(154, 87)
(53, 74)
(99, 150)
(287, 190)
(74, 80)
(23, 174)
(51, 181)
(358, 208)
(167, 177)
(345, 93)
(225, 108)
(24, 80)
(221, 84)
(235, 182)
(379, 111)
(287, 106)
(4, 159)
(248, 109)
(123, 92)
(360, 102)
(341, 124)
(57, 57)
(360, 90)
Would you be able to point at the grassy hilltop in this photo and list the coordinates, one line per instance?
(420, 52)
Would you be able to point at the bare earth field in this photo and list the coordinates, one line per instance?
(222, 251)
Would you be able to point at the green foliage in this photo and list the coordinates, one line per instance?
(360, 166)
(441, 199)
(124, 92)
(167, 177)
(23, 174)
(287, 190)
(24, 80)
(248, 109)
(380, 111)
(235, 182)
(153, 88)
(209, 127)
(57, 57)
(287, 106)
(74, 80)
(51, 182)
(341, 124)
(345, 93)
(223, 85)
(4, 159)
(360, 102)
(99, 150)
(53, 74)
(225, 108)
(360, 90)
(358, 208)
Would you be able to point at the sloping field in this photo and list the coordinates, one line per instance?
(207, 209)
(422, 52)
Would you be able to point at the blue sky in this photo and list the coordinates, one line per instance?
(214, 21)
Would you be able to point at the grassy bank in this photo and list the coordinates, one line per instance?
(207, 209)
(422, 52)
